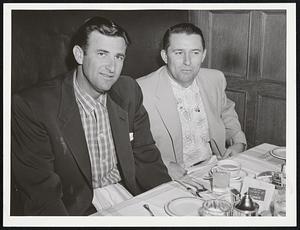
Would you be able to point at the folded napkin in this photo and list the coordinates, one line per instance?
(109, 196)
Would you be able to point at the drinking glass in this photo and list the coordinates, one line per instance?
(215, 207)
(220, 182)
(279, 203)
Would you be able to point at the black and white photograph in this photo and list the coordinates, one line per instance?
(132, 114)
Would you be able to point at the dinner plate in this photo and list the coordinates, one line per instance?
(242, 174)
(279, 153)
(184, 206)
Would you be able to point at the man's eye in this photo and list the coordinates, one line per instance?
(196, 52)
(121, 58)
(101, 54)
(178, 52)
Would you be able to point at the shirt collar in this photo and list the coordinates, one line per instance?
(88, 103)
(193, 87)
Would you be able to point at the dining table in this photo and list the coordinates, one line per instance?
(156, 201)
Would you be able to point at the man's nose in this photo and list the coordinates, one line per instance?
(110, 66)
(186, 59)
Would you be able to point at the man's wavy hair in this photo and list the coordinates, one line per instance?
(103, 26)
(186, 28)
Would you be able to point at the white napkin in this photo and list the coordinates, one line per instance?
(109, 195)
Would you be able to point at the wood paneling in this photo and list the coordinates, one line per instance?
(270, 120)
(274, 46)
(249, 47)
(229, 42)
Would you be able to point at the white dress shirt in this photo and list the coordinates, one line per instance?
(193, 122)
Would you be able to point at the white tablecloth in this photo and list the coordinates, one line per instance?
(253, 161)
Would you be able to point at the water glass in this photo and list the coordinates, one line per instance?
(279, 203)
(215, 207)
(220, 182)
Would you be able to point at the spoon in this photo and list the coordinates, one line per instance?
(146, 206)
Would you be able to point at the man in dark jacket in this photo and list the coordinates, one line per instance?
(84, 131)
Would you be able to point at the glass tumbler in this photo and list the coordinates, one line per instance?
(279, 203)
(215, 207)
(220, 182)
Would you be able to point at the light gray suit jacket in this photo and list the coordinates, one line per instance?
(159, 101)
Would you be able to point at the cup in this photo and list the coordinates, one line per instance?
(229, 166)
(215, 207)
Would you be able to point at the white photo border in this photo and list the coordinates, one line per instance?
(289, 220)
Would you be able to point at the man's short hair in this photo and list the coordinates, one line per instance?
(103, 26)
(186, 28)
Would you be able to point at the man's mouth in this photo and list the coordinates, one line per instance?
(186, 70)
(107, 75)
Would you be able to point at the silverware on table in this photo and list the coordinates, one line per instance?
(146, 206)
(189, 189)
(198, 183)
(197, 189)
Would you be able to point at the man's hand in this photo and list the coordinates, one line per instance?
(176, 171)
(233, 149)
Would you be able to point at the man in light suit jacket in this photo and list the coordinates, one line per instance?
(190, 116)
(84, 131)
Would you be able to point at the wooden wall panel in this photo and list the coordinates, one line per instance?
(271, 124)
(239, 97)
(229, 40)
(274, 46)
(249, 48)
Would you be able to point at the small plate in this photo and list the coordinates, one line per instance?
(279, 153)
(183, 206)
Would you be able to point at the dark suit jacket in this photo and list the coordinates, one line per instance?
(50, 159)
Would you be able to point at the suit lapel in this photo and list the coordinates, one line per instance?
(118, 118)
(214, 133)
(72, 130)
(167, 109)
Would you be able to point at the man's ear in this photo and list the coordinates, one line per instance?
(203, 56)
(78, 54)
(164, 56)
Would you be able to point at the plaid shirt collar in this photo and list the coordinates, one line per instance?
(88, 103)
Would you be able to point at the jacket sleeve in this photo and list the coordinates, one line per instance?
(234, 133)
(32, 162)
(150, 169)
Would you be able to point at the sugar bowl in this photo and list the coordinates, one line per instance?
(245, 207)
